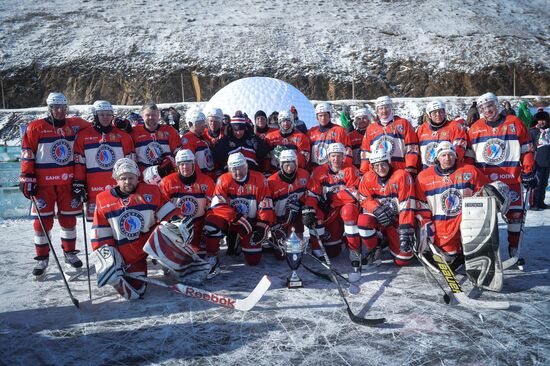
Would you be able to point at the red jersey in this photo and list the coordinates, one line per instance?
(95, 156)
(192, 199)
(47, 150)
(503, 151)
(151, 146)
(336, 188)
(250, 198)
(428, 138)
(356, 139)
(126, 223)
(321, 137)
(440, 197)
(397, 191)
(397, 137)
(212, 140)
(283, 192)
(262, 135)
(201, 149)
(295, 140)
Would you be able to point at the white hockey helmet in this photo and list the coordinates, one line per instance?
(445, 147)
(56, 98)
(288, 155)
(336, 147)
(434, 106)
(285, 115)
(101, 105)
(214, 112)
(487, 98)
(184, 155)
(324, 107)
(384, 100)
(193, 116)
(125, 165)
(362, 112)
(236, 160)
(151, 175)
(379, 156)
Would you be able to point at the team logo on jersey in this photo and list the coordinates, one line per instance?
(75, 129)
(400, 128)
(514, 196)
(429, 156)
(105, 157)
(513, 128)
(322, 153)
(240, 205)
(148, 197)
(208, 159)
(384, 143)
(61, 152)
(75, 203)
(184, 140)
(130, 224)
(303, 181)
(153, 151)
(467, 176)
(40, 203)
(188, 205)
(451, 201)
(494, 151)
(204, 187)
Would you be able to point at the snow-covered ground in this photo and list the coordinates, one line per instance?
(308, 326)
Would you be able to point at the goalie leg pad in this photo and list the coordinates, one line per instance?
(110, 265)
(480, 242)
(129, 292)
(167, 247)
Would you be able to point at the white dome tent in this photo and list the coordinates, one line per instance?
(262, 93)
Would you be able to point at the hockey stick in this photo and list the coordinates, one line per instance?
(73, 299)
(515, 258)
(459, 295)
(422, 260)
(354, 318)
(86, 250)
(239, 304)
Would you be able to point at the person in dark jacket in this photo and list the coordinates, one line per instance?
(540, 135)
(473, 115)
(508, 110)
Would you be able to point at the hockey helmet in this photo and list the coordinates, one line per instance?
(184, 155)
(362, 112)
(434, 106)
(384, 100)
(288, 155)
(487, 98)
(214, 112)
(285, 115)
(236, 160)
(379, 156)
(336, 147)
(445, 147)
(151, 175)
(56, 99)
(125, 165)
(101, 105)
(323, 108)
(193, 116)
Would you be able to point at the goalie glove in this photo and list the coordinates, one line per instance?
(244, 223)
(384, 214)
(110, 265)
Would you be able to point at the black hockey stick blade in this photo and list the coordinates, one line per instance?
(365, 321)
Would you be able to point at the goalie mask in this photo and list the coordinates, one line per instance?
(125, 165)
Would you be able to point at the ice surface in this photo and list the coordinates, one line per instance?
(308, 326)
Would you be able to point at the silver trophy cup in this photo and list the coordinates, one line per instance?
(294, 248)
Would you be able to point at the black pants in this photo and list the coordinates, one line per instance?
(540, 191)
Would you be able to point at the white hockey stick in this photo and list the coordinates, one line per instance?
(239, 304)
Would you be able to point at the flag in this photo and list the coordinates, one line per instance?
(344, 121)
(525, 115)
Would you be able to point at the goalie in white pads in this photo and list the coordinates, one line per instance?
(124, 218)
(442, 190)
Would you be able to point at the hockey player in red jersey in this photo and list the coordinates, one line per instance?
(156, 144)
(503, 151)
(392, 134)
(325, 134)
(287, 137)
(124, 218)
(440, 129)
(214, 123)
(47, 172)
(190, 190)
(331, 204)
(96, 150)
(194, 140)
(388, 202)
(241, 204)
(288, 187)
(361, 120)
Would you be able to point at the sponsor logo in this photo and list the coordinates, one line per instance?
(216, 299)
(494, 151)
(130, 224)
(98, 189)
(493, 176)
(52, 177)
(240, 205)
(61, 152)
(105, 157)
(451, 202)
(65, 176)
(188, 205)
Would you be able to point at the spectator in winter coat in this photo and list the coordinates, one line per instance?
(540, 135)
(508, 110)
(473, 115)
(300, 125)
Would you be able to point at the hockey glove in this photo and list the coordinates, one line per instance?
(529, 180)
(259, 234)
(79, 191)
(166, 166)
(244, 223)
(309, 216)
(411, 170)
(406, 239)
(123, 124)
(293, 212)
(28, 185)
(384, 215)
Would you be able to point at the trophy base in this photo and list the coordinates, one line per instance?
(294, 283)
